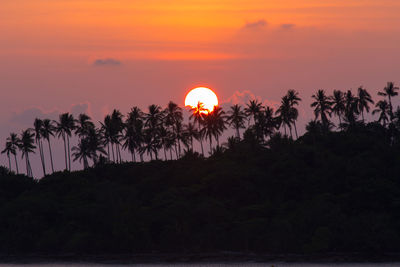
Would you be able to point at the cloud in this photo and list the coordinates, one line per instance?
(256, 24)
(107, 62)
(288, 26)
(27, 116)
(81, 108)
(243, 97)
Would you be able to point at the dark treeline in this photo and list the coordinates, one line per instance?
(162, 134)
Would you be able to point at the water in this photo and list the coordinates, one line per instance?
(274, 264)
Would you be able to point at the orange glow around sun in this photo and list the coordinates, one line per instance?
(202, 95)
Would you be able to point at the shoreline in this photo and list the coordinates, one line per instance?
(200, 258)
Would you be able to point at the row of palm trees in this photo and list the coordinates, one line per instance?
(164, 131)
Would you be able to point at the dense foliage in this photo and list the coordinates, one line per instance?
(324, 192)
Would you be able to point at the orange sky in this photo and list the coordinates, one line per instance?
(96, 55)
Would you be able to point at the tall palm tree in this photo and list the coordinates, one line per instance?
(351, 108)
(252, 109)
(64, 128)
(236, 119)
(117, 128)
(130, 141)
(26, 145)
(107, 133)
(8, 150)
(285, 115)
(338, 104)
(214, 125)
(390, 91)
(383, 108)
(294, 99)
(88, 147)
(38, 128)
(197, 115)
(83, 125)
(192, 133)
(322, 107)
(47, 131)
(363, 101)
(270, 122)
(173, 119)
(14, 141)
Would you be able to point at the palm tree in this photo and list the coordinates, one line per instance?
(14, 141)
(84, 124)
(214, 125)
(252, 109)
(107, 132)
(285, 115)
(364, 98)
(270, 122)
(27, 146)
(383, 107)
(82, 152)
(351, 108)
(8, 150)
(117, 128)
(173, 118)
(88, 147)
(64, 128)
(47, 131)
(236, 118)
(338, 104)
(293, 98)
(38, 125)
(130, 140)
(197, 115)
(322, 107)
(390, 91)
(191, 132)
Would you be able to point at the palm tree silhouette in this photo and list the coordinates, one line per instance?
(173, 118)
(252, 109)
(88, 147)
(390, 91)
(83, 125)
(383, 108)
(14, 141)
(214, 125)
(338, 105)
(8, 150)
(107, 132)
(351, 108)
(322, 107)
(47, 131)
(197, 115)
(293, 98)
(285, 114)
(117, 128)
(64, 128)
(363, 100)
(38, 128)
(192, 133)
(236, 118)
(26, 145)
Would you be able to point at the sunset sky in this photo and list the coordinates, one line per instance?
(96, 55)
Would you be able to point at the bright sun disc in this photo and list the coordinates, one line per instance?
(203, 95)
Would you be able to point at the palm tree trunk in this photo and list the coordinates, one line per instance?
(290, 129)
(112, 150)
(295, 129)
(210, 144)
(340, 121)
(65, 152)
(201, 141)
(16, 163)
(9, 161)
(217, 138)
(390, 108)
(69, 154)
(284, 127)
(132, 155)
(170, 153)
(27, 165)
(165, 154)
(108, 151)
(51, 155)
(42, 156)
(237, 133)
(176, 152)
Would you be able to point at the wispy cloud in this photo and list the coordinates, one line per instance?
(107, 62)
(256, 24)
(288, 26)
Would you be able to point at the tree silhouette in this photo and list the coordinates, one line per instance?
(197, 115)
(192, 133)
(14, 142)
(38, 128)
(252, 109)
(83, 125)
(363, 101)
(214, 125)
(64, 128)
(285, 114)
(294, 99)
(8, 150)
(383, 108)
(338, 105)
(322, 107)
(236, 118)
(390, 91)
(351, 108)
(26, 145)
(47, 131)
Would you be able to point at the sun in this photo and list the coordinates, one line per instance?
(202, 95)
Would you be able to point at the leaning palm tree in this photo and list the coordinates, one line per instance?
(338, 105)
(82, 152)
(27, 146)
(363, 101)
(236, 118)
(48, 131)
(390, 91)
(252, 109)
(64, 128)
(8, 150)
(322, 107)
(197, 115)
(14, 141)
(294, 100)
(383, 108)
(38, 125)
